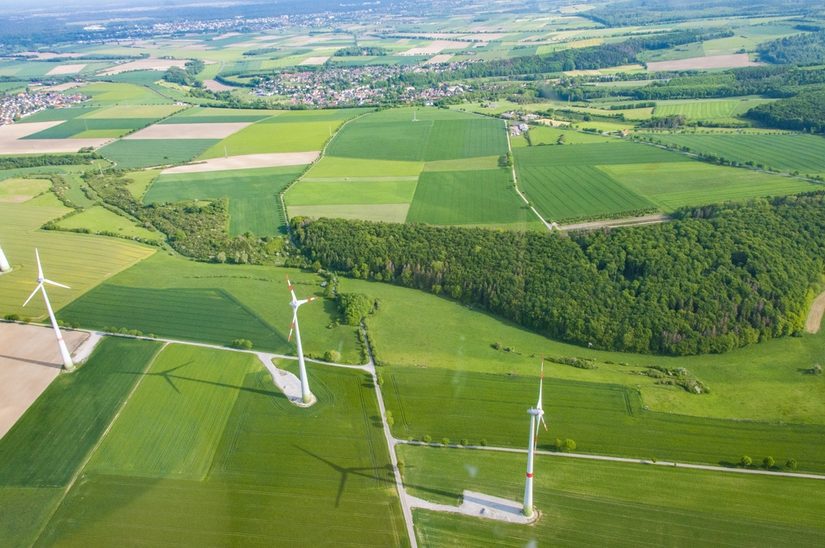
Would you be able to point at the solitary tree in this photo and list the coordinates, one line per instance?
(745, 461)
(790, 464)
(768, 462)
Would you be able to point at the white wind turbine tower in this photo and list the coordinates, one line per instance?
(41, 286)
(306, 395)
(536, 418)
(4, 263)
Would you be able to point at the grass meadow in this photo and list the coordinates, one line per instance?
(602, 418)
(108, 93)
(80, 261)
(99, 219)
(16, 190)
(597, 503)
(790, 152)
(177, 298)
(140, 153)
(671, 186)
(252, 193)
(709, 109)
(468, 197)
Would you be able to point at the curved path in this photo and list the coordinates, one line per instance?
(815, 314)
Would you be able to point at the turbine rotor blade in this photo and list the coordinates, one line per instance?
(56, 284)
(39, 266)
(36, 289)
(291, 329)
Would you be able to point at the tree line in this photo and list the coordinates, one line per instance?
(805, 112)
(716, 278)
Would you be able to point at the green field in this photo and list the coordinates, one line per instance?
(355, 191)
(468, 197)
(138, 153)
(203, 450)
(53, 438)
(543, 135)
(596, 504)
(671, 186)
(107, 94)
(337, 168)
(803, 153)
(133, 111)
(15, 190)
(602, 418)
(141, 180)
(597, 180)
(213, 303)
(77, 260)
(253, 195)
(58, 114)
(568, 192)
(98, 219)
(262, 137)
(80, 126)
(708, 109)
(164, 435)
(440, 136)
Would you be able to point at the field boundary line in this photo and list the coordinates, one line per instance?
(549, 226)
(626, 460)
(391, 444)
(320, 157)
(97, 445)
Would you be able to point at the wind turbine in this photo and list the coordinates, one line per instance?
(306, 395)
(41, 286)
(415, 114)
(4, 263)
(536, 418)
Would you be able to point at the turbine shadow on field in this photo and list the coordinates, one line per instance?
(168, 377)
(35, 362)
(365, 472)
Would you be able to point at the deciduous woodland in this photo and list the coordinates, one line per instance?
(717, 278)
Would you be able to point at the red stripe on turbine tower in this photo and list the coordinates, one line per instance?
(529, 475)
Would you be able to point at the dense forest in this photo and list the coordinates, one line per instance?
(799, 49)
(805, 112)
(646, 12)
(714, 279)
(42, 160)
(590, 58)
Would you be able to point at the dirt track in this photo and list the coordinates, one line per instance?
(248, 161)
(815, 314)
(29, 362)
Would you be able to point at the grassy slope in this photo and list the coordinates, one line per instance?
(13, 188)
(593, 503)
(805, 153)
(78, 260)
(601, 418)
(100, 219)
(671, 186)
(214, 303)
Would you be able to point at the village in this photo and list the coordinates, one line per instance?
(16, 106)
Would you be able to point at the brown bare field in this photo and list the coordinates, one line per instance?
(63, 87)
(814, 319)
(440, 58)
(145, 64)
(434, 48)
(214, 85)
(66, 69)
(248, 161)
(29, 362)
(22, 129)
(12, 142)
(219, 130)
(312, 61)
(734, 60)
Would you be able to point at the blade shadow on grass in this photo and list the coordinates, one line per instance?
(364, 472)
(169, 378)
